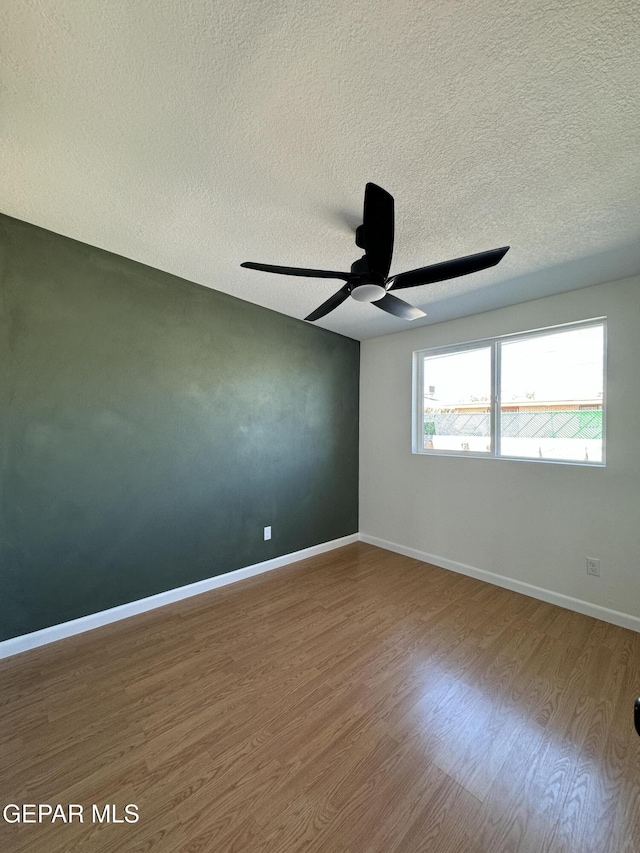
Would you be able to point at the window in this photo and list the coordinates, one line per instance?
(538, 395)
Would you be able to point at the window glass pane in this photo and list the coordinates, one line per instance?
(551, 396)
(457, 401)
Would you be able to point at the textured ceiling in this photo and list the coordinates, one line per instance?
(196, 134)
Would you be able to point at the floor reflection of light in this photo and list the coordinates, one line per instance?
(458, 722)
(494, 746)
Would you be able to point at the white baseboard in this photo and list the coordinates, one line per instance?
(624, 620)
(95, 620)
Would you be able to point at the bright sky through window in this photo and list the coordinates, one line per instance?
(459, 377)
(566, 365)
(562, 366)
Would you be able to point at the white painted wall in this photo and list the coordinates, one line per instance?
(528, 522)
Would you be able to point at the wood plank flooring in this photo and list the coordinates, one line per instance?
(356, 702)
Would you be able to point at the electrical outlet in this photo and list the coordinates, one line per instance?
(267, 533)
(593, 566)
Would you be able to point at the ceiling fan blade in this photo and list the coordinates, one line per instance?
(378, 229)
(398, 307)
(448, 269)
(297, 271)
(331, 303)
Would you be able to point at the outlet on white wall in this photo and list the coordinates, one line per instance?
(593, 566)
(267, 533)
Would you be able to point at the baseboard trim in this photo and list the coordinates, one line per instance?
(25, 642)
(624, 620)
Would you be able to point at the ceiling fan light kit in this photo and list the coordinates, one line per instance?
(368, 292)
(369, 279)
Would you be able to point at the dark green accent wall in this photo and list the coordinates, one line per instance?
(152, 427)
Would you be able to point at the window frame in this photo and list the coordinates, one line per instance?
(494, 343)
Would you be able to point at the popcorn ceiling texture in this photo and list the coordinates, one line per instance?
(192, 136)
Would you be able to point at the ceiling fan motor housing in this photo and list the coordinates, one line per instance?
(361, 268)
(367, 286)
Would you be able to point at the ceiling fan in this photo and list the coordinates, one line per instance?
(369, 279)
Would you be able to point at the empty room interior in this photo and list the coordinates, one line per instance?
(320, 481)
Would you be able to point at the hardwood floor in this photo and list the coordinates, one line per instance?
(357, 701)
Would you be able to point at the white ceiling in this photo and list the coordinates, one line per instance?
(196, 134)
